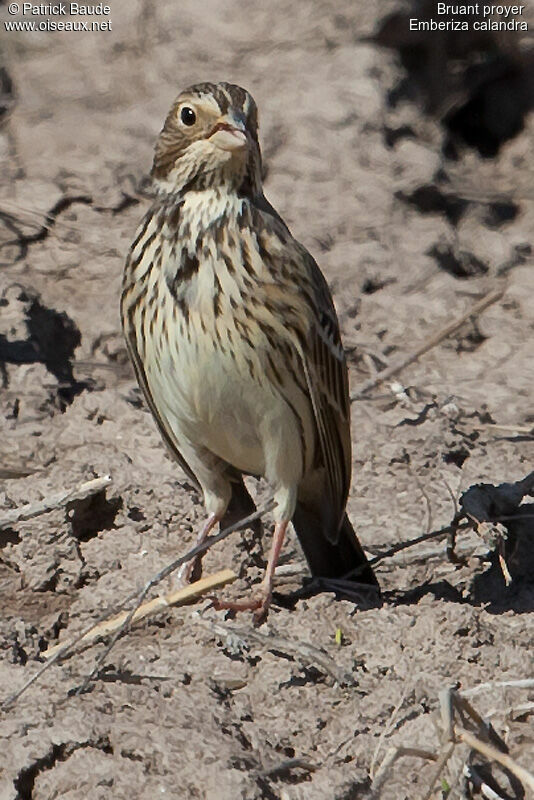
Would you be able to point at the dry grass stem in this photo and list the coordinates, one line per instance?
(388, 728)
(491, 753)
(525, 430)
(424, 537)
(486, 742)
(12, 699)
(442, 760)
(148, 609)
(392, 754)
(199, 549)
(521, 683)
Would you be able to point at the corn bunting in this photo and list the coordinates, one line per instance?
(234, 338)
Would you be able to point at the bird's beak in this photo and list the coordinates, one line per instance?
(229, 134)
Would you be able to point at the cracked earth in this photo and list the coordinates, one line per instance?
(411, 184)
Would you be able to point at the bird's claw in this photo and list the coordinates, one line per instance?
(259, 604)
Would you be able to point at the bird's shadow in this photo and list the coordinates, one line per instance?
(362, 595)
(488, 588)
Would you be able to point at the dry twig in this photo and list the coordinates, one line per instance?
(164, 573)
(394, 369)
(521, 430)
(388, 727)
(53, 501)
(398, 548)
(467, 547)
(522, 683)
(9, 701)
(493, 754)
(307, 652)
(392, 754)
(442, 760)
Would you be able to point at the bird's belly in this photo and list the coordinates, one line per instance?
(213, 404)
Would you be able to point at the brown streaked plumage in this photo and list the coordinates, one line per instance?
(234, 337)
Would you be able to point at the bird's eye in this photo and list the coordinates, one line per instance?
(188, 116)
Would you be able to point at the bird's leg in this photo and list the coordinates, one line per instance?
(276, 546)
(188, 570)
(260, 602)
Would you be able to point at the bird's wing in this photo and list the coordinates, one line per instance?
(325, 368)
(317, 343)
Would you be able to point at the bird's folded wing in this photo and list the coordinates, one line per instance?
(325, 369)
(317, 344)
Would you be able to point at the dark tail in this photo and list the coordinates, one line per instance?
(327, 560)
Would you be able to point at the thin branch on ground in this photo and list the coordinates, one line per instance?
(310, 654)
(425, 496)
(53, 501)
(442, 760)
(199, 549)
(398, 548)
(11, 473)
(451, 493)
(394, 369)
(343, 585)
(285, 766)
(525, 430)
(439, 552)
(392, 754)
(9, 701)
(522, 683)
(388, 727)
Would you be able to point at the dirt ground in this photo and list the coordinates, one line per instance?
(404, 163)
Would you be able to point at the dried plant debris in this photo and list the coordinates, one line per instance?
(472, 757)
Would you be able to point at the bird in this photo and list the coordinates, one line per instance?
(235, 342)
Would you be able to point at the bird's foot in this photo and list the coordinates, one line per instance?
(258, 603)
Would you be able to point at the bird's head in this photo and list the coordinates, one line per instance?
(210, 139)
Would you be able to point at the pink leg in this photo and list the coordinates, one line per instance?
(187, 570)
(259, 603)
(278, 540)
